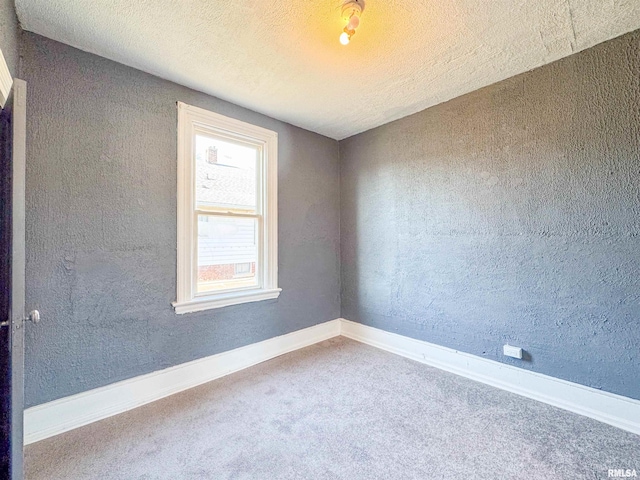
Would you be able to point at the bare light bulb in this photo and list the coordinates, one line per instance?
(351, 11)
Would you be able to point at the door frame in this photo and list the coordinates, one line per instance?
(18, 271)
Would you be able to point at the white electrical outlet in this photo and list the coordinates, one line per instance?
(510, 351)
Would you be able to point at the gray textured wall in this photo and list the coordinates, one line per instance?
(101, 227)
(511, 214)
(9, 35)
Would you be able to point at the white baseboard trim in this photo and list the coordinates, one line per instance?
(52, 418)
(616, 410)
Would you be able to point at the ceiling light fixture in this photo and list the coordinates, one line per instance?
(351, 11)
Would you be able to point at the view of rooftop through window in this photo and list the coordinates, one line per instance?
(226, 182)
(225, 174)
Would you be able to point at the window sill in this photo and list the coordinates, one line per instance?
(225, 300)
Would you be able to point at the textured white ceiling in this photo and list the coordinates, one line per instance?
(282, 57)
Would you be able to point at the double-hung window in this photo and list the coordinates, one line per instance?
(227, 211)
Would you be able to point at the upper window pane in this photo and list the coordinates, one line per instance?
(225, 175)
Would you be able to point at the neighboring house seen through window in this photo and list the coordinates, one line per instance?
(227, 211)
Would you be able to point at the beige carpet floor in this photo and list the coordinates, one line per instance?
(344, 410)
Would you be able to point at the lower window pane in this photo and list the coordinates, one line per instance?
(227, 253)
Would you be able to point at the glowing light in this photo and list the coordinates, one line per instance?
(351, 11)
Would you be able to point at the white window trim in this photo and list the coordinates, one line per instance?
(190, 118)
